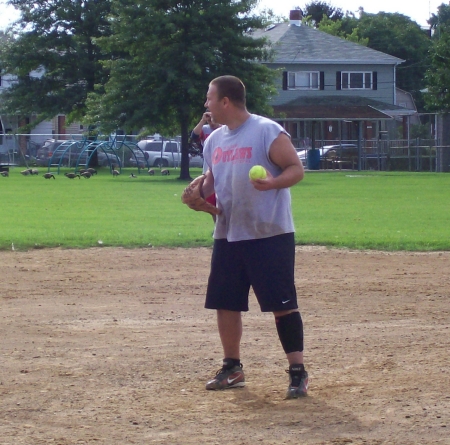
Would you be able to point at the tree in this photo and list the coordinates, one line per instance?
(393, 34)
(54, 41)
(317, 10)
(442, 17)
(346, 28)
(437, 76)
(399, 36)
(268, 17)
(172, 50)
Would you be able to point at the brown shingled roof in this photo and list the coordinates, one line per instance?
(332, 108)
(332, 113)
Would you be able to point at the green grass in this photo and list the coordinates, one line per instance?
(362, 210)
(379, 210)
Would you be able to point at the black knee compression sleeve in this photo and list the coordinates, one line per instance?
(290, 332)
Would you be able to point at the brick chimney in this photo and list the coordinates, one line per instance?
(295, 17)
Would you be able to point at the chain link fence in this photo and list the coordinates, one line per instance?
(27, 149)
(417, 155)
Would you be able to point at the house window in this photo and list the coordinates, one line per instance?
(303, 80)
(356, 80)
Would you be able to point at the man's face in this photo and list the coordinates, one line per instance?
(214, 104)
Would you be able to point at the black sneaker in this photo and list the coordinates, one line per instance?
(298, 382)
(227, 377)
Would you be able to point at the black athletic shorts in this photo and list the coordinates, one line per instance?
(266, 264)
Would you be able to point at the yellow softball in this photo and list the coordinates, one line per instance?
(257, 172)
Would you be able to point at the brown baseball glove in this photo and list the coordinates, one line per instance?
(193, 197)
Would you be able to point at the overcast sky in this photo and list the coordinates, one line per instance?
(417, 10)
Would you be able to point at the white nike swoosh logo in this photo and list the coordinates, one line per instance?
(284, 302)
(230, 381)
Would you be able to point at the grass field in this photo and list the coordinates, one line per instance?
(363, 210)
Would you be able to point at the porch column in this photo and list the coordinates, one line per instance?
(360, 136)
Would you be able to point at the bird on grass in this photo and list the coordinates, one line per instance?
(92, 171)
(165, 172)
(4, 173)
(114, 171)
(26, 172)
(151, 172)
(133, 175)
(71, 175)
(86, 174)
(34, 171)
(49, 175)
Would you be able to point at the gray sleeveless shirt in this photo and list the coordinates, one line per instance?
(246, 212)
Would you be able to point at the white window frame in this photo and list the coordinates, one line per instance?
(294, 82)
(346, 80)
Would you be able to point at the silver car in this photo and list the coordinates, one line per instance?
(331, 151)
(162, 153)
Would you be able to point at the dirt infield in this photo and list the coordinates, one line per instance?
(113, 346)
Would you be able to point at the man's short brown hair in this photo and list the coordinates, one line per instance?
(231, 87)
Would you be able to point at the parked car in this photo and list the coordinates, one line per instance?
(162, 153)
(105, 156)
(56, 151)
(44, 154)
(107, 159)
(330, 152)
(138, 158)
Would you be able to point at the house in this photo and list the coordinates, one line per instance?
(331, 89)
(29, 143)
(405, 99)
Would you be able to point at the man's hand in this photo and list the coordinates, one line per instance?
(264, 184)
(194, 198)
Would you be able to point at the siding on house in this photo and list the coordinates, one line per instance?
(44, 130)
(302, 48)
(384, 92)
(405, 100)
(75, 128)
(329, 88)
(41, 132)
